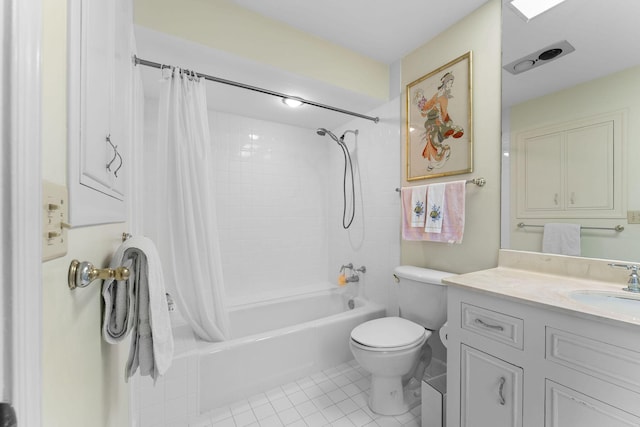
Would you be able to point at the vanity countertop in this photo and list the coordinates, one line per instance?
(546, 280)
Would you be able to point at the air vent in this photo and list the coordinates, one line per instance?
(543, 56)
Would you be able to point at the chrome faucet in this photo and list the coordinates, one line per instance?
(633, 285)
(353, 277)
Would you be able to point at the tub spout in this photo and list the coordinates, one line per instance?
(353, 278)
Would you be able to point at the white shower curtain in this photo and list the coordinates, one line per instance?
(187, 223)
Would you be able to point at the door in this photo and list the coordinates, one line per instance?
(490, 390)
(568, 408)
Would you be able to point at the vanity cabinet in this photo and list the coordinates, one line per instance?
(572, 170)
(100, 109)
(513, 363)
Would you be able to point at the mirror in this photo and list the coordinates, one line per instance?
(557, 99)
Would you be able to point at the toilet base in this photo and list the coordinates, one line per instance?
(387, 396)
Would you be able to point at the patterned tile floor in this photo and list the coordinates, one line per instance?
(335, 397)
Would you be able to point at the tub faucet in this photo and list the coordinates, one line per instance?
(354, 276)
(633, 285)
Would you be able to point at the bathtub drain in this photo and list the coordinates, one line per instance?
(351, 304)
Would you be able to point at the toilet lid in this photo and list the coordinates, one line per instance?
(387, 332)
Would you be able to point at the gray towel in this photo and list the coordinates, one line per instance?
(139, 305)
(117, 308)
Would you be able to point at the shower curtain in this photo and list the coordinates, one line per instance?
(187, 223)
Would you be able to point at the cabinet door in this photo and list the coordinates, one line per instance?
(542, 173)
(568, 408)
(590, 169)
(491, 390)
(97, 93)
(99, 110)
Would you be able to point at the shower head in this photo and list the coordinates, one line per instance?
(323, 132)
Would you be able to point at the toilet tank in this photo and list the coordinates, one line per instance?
(422, 297)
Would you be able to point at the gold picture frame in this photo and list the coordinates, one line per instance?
(439, 122)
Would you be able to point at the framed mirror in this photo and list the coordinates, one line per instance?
(571, 126)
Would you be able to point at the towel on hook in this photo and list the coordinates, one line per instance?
(435, 208)
(418, 202)
(453, 216)
(561, 238)
(139, 305)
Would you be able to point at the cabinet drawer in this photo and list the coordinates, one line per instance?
(616, 365)
(491, 324)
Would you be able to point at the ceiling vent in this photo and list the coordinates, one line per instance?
(543, 56)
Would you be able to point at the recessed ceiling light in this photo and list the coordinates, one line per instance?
(292, 102)
(529, 9)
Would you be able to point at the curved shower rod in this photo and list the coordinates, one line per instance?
(141, 61)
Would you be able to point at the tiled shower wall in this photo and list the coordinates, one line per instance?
(279, 202)
(271, 183)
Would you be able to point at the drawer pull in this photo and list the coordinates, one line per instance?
(486, 325)
(501, 389)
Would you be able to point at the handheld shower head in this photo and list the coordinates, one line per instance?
(323, 132)
(347, 219)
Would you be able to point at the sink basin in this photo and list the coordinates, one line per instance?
(625, 303)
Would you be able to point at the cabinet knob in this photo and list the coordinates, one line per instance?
(555, 199)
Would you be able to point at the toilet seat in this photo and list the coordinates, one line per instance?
(389, 334)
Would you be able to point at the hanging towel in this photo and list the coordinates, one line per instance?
(453, 216)
(418, 200)
(139, 305)
(118, 318)
(561, 238)
(435, 208)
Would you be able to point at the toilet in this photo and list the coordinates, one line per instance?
(390, 347)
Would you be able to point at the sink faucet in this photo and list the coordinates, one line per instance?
(633, 285)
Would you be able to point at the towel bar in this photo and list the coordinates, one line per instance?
(81, 274)
(480, 182)
(617, 228)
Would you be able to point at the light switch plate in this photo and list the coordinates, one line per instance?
(55, 214)
(633, 217)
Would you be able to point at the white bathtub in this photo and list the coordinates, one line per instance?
(276, 342)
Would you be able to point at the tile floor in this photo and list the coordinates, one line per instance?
(334, 397)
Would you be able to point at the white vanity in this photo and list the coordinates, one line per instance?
(538, 345)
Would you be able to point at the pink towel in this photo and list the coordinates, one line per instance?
(452, 216)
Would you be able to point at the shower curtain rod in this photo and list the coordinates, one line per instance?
(259, 89)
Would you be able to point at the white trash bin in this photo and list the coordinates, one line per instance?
(434, 401)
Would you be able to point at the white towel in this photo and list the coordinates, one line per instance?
(435, 208)
(561, 238)
(148, 314)
(418, 201)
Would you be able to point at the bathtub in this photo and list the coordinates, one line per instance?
(277, 342)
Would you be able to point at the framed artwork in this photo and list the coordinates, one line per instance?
(439, 123)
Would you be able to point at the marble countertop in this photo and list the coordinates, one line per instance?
(549, 288)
